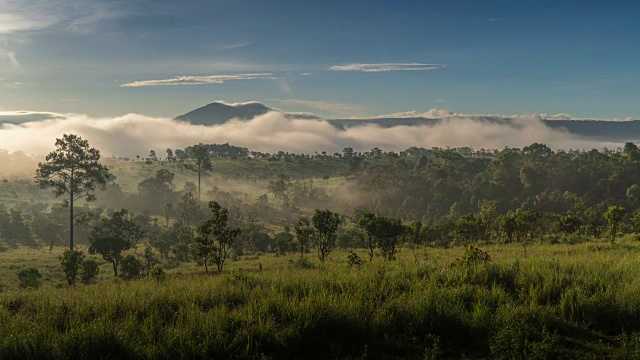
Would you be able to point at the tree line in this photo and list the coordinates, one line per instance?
(437, 197)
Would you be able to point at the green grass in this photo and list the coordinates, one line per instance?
(557, 301)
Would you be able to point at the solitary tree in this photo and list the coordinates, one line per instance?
(112, 236)
(326, 224)
(366, 222)
(614, 217)
(215, 236)
(73, 169)
(203, 163)
(388, 233)
(304, 232)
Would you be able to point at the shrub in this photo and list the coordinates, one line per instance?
(89, 271)
(71, 261)
(29, 278)
(130, 267)
(353, 259)
(157, 273)
(472, 256)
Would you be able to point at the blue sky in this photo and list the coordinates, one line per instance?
(334, 58)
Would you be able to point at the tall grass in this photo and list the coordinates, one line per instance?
(557, 302)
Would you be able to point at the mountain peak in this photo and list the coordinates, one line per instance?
(219, 112)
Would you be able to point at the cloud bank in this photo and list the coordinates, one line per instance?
(387, 67)
(198, 80)
(134, 134)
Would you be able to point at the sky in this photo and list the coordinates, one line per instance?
(160, 58)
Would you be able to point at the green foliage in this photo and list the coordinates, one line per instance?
(158, 273)
(353, 259)
(71, 262)
(114, 235)
(388, 233)
(131, 267)
(149, 258)
(29, 278)
(325, 223)
(284, 242)
(202, 162)
(157, 189)
(614, 217)
(366, 222)
(89, 271)
(73, 169)
(472, 256)
(304, 234)
(215, 236)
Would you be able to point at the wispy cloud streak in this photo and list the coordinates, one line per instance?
(32, 15)
(199, 80)
(387, 67)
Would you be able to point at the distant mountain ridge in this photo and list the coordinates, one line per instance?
(219, 112)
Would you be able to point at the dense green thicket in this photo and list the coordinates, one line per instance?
(535, 177)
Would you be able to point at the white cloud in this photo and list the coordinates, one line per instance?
(10, 58)
(335, 108)
(440, 113)
(198, 80)
(387, 67)
(17, 117)
(20, 19)
(236, 45)
(133, 134)
(33, 15)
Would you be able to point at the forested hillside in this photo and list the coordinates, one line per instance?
(520, 243)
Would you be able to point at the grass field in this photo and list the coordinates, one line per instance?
(555, 301)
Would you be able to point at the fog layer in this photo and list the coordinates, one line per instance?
(134, 134)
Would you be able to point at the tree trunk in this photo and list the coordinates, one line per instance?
(206, 268)
(199, 174)
(71, 213)
(115, 267)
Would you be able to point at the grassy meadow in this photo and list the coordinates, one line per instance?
(554, 301)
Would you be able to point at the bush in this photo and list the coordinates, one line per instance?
(71, 261)
(472, 256)
(130, 267)
(89, 271)
(29, 278)
(157, 273)
(353, 259)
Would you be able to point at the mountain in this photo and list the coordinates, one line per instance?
(622, 131)
(219, 112)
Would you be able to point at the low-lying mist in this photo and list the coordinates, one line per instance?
(135, 134)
